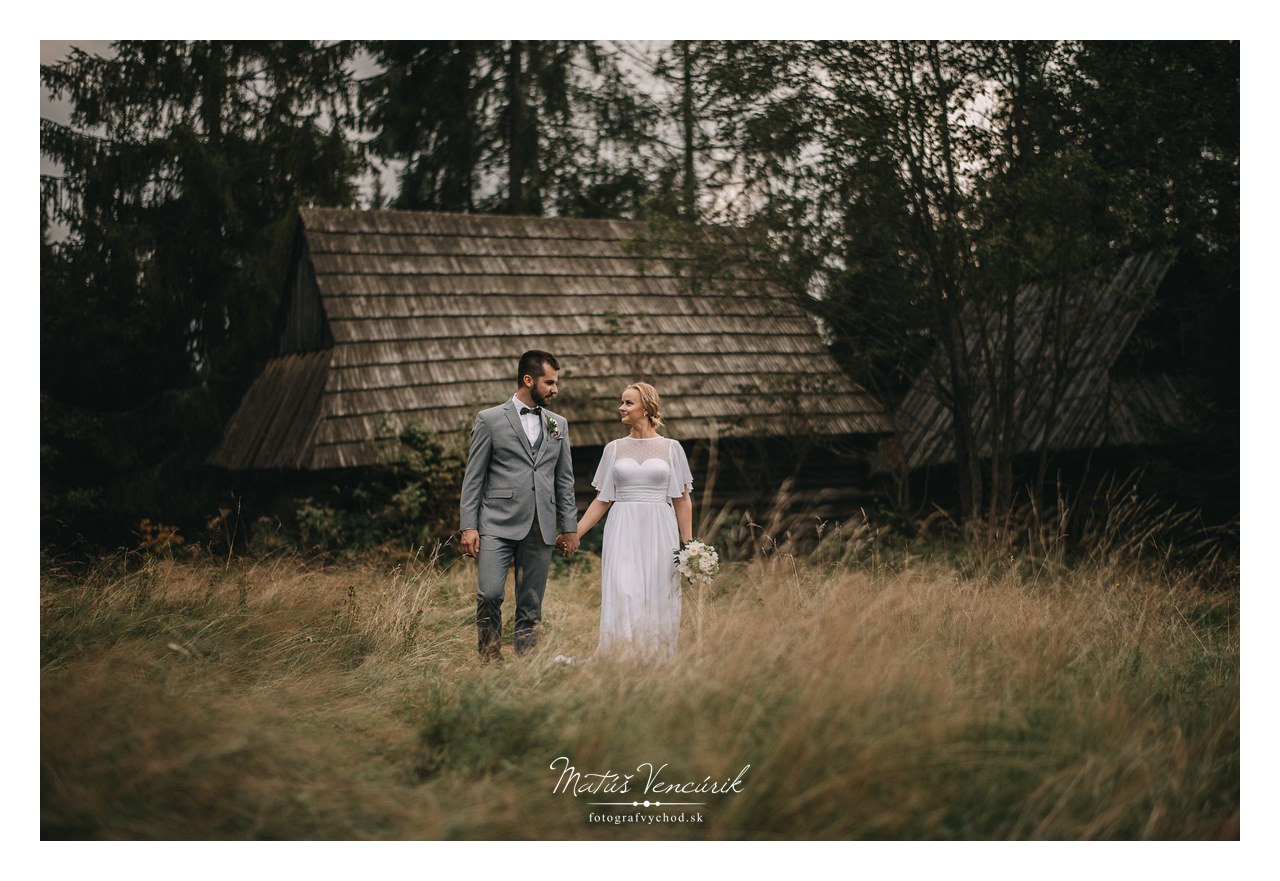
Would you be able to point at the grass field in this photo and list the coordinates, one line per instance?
(910, 697)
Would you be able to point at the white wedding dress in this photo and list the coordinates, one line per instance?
(640, 588)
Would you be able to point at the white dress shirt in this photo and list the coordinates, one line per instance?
(532, 422)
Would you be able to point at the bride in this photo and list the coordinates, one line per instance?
(643, 481)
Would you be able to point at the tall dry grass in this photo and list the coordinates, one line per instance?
(874, 695)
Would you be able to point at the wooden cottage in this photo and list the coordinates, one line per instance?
(398, 317)
(1070, 393)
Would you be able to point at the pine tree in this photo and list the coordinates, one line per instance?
(515, 127)
(428, 108)
(182, 168)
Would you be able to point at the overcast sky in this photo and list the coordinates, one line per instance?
(56, 50)
(60, 111)
(52, 50)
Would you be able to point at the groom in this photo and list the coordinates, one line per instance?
(518, 484)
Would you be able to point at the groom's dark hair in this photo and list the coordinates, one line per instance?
(532, 363)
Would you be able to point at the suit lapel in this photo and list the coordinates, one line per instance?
(513, 416)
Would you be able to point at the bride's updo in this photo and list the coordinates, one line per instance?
(649, 400)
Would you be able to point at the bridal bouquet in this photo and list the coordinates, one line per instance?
(697, 562)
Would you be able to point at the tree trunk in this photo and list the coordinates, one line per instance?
(688, 190)
(968, 448)
(516, 133)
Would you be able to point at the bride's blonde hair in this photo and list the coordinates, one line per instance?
(649, 400)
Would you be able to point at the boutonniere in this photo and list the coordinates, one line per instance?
(554, 429)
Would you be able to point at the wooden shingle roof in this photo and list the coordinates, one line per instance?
(1067, 395)
(425, 315)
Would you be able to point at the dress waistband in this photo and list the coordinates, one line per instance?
(656, 497)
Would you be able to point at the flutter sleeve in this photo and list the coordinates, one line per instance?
(681, 476)
(603, 481)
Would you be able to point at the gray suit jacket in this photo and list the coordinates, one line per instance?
(506, 481)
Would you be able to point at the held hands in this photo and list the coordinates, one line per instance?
(567, 542)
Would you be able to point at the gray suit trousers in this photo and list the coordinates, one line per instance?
(532, 558)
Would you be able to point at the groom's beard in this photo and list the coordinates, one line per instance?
(538, 400)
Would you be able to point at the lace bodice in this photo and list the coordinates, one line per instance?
(642, 470)
(642, 449)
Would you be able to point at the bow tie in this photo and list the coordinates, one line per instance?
(536, 411)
